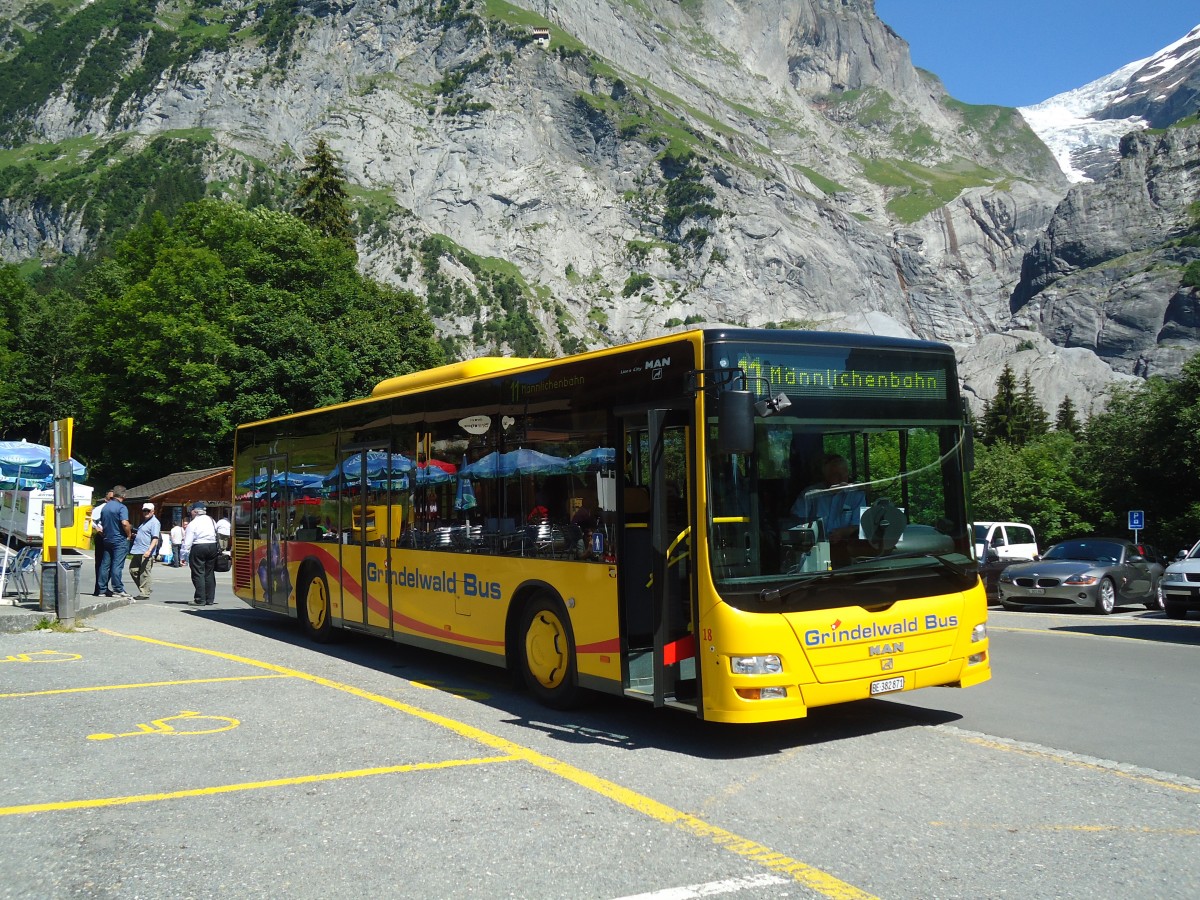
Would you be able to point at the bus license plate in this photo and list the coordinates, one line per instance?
(887, 684)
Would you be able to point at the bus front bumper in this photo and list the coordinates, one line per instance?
(738, 705)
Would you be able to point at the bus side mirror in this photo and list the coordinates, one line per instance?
(735, 422)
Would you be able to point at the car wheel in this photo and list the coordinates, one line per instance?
(1157, 598)
(1106, 597)
(1175, 610)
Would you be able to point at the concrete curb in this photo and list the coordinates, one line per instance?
(16, 619)
(169, 586)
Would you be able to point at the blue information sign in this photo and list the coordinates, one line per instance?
(1137, 520)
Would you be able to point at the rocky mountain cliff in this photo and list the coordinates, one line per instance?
(629, 168)
(1106, 275)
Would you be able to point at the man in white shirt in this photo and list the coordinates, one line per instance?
(224, 530)
(98, 538)
(176, 545)
(200, 551)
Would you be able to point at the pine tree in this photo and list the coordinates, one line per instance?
(1000, 413)
(1067, 421)
(322, 195)
(1032, 421)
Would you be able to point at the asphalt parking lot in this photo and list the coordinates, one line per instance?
(167, 750)
(168, 743)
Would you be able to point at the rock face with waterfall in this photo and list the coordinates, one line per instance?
(630, 168)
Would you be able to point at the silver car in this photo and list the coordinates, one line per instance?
(1096, 573)
(1181, 584)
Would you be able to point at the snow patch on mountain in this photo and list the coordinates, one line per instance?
(1067, 125)
(1083, 127)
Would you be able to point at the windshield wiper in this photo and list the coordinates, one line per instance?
(772, 595)
(942, 561)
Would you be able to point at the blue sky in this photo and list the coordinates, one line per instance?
(1019, 52)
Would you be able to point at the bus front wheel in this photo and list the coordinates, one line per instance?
(315, 607)
(548, 653)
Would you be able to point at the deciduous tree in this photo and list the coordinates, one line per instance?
(224, 316)
(1040, 483)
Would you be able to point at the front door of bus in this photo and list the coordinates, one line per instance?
(655, 561)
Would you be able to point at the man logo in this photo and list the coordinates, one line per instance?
(887, 664)
(656, 367)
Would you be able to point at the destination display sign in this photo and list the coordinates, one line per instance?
(842, 377)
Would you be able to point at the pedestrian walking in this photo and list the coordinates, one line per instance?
(200, 551)
(98, 540)
(145, 548)
(114, 547)
(224, 531)
(176, 545)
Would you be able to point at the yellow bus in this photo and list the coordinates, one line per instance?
(648, 520)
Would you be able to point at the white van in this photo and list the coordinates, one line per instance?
(1009, 541)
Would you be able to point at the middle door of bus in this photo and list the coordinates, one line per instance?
(370, 479)
(270, 501)
(655, 560)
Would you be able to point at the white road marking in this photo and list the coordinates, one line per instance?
(711, 889)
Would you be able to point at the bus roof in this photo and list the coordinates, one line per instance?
(490, 365)
(482, 365)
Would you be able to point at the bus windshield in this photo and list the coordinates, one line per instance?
(844, 487)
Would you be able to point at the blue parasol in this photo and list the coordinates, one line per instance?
(292, 480)
(380, 464)
(29, 465)
(598, 459)
(515, 462)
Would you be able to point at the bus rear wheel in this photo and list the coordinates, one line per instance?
(315, 607)
(548, 653)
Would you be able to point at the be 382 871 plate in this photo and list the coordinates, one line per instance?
(887, 685)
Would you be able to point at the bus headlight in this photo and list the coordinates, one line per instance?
(756, 665)
(979, 632)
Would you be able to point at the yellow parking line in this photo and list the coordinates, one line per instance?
(245, 786)
(802, 873)
(1122, 829)
(143, 684)
(1054, 757)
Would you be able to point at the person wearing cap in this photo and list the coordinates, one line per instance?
(145, 548)
(200, 551)
(114, 546)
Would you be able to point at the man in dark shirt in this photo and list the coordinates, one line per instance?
(114, 546)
